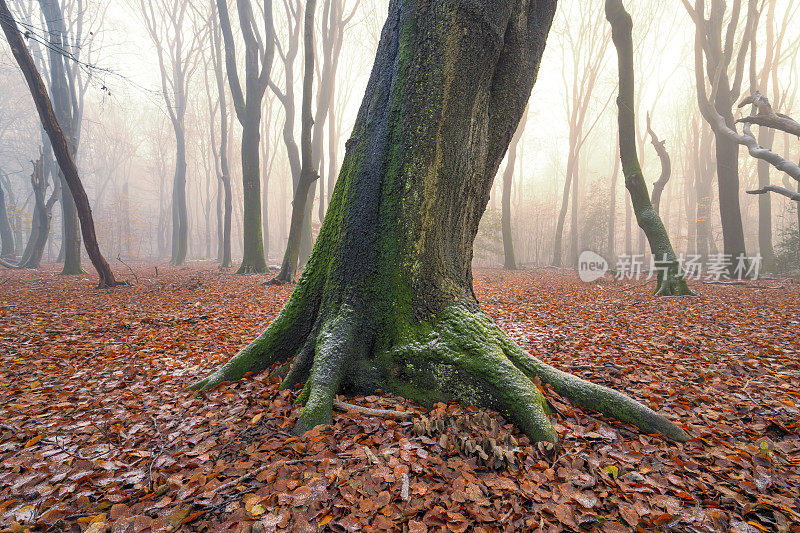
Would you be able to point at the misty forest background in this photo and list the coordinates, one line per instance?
(145, 96)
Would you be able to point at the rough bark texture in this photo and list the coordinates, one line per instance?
(386, 300)
(59, 144)
(671, 280)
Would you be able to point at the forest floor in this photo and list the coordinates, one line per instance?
(97, 434)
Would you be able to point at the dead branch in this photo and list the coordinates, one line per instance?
(666, 166)
(747, 139)
(382, 413)
(766, 117)
(779, 190)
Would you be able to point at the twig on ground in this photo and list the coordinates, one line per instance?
(119, 258)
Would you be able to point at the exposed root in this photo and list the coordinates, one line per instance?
(586, 394)
(673, 284)
(367, 411)
(463, 355)
(338, 343)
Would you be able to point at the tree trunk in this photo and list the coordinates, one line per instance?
(666, 167)
(765, 139)
(253, 250)
(301, 206)
(562, 214)
(386, 300)
(6, 234)
(510, 262)
(40, 222)
(671, 280)
(63, 109)
(59, 144)
(180, 216)
(612, 210)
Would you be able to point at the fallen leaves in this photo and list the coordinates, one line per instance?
(97, 432)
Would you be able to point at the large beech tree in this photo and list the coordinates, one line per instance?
(386, 300)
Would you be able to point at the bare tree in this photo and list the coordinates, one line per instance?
(666, 166)
(671, 281)
(588, 43)
(169, 23)
(259, 52)
(308, 171)
(719, 62)
(59, 144)
(224, 193)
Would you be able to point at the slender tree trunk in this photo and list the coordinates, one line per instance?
(180, 216)
(562, 214)
(612, 211)
(6, 233)
(59, 144)
(386, 299)
(765, 139)
(671, 280)
(301, 207)
(510, 262)
(62, 106)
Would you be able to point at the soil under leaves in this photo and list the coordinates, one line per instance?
(97, 434)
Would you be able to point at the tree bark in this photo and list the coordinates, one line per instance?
(248, 110)
(386, 299)
(59, 144)
(666, 167)
(671, 280)
(301, 206)
(6, 234)
(510, 262)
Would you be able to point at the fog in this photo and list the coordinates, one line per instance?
(126, 152)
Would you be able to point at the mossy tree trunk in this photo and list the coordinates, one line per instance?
(671, 281)
(386, 300)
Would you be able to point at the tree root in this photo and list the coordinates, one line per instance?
(463, 355)
(367, 411)
(673, 284)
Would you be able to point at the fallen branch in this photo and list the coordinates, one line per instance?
(119, 258)
(779, 190)
(7, 264)
(382, 413)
